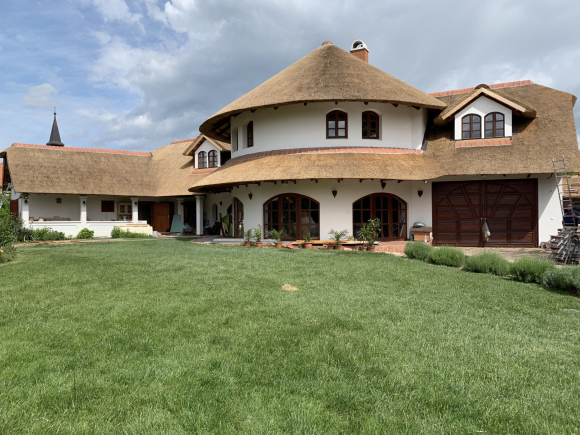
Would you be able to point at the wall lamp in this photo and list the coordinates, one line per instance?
(383, 184)
(334, 192)
(420, 193)
(250, 195)
(425, 181)
(58, 200)
(135, 203)
(84, 202)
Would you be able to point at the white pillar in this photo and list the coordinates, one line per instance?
(180, 209)
(199, 215)
(135, 208)
(83, 200)
(25, 213)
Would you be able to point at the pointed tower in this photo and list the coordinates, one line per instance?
(54, 134)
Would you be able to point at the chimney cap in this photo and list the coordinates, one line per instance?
(359, 45)
(327, 43)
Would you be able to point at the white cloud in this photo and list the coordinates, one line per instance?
(40, 97)
(114, 10)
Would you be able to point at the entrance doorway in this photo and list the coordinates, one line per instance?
(238, 218)
(161, 217)
(296, 214)
(390, 209)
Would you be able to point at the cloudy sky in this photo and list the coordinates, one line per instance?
(138, 74)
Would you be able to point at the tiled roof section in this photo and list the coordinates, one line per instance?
(482, 143)
(183, 140)
(336, 150)
(494, 86)
(86, 150)
(202, 171)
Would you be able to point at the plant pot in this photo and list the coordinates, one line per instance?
(339, 247)
(372, 248)
(247, 243)
(278, 244)
(307, 245)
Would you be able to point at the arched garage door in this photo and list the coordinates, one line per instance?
(510, 208)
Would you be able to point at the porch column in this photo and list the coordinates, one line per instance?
(25, 213)
(83, 200)
(180, 209)
(199, 215)
(135, 205)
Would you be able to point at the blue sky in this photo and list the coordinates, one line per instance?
(138, 74)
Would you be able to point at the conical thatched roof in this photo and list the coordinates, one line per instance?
(326, 74)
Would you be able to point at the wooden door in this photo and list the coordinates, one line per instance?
(238, 218)
(14, 207)
(508, 206)
(161, 217)
(296, 214)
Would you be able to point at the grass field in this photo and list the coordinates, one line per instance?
(173, 337)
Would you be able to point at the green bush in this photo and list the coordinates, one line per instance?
(118, 233)
(488, 262)
(53, 235)
(39, 234)
(447, 256)
(7, 253)
(418, 250)
(566, 279)
(85, 233)
(531, 269)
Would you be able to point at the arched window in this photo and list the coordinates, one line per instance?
(212, 159)
(250, 134)
(370, 125)
(494, 125)
(297, 214)
(201, 160)
(390, 209)
(336, 125)
(471, 127)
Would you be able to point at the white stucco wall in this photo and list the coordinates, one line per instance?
(209, 201)
(207, 147)
(299, 126)
(483, 106)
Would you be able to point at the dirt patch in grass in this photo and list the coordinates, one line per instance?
(289, 288)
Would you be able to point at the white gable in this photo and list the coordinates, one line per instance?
(482, 106)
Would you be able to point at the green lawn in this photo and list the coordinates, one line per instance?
(173, 337)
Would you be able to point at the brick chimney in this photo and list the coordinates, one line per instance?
(359, 49)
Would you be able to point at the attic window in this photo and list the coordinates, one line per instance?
(336, 125)
(471, 127)
(494, 125)
(212, 159)
(201, 160)
(370, 125)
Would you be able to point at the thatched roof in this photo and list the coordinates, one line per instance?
(517, 107)
(221, 146)
(44, 169)
(535, 141)
(326, 74)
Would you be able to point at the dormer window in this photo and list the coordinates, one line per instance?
(370, 125)
(250, 134)
(336, 125)
(201, 160)
(471, 127)
(494, 125)
(212, 159)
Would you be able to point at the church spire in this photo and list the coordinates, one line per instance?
(54, 134)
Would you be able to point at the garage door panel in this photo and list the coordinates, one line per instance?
(448, 227)
(522, 225)
(522, 238)
(471, 225)
(468, 213)
(497, 225)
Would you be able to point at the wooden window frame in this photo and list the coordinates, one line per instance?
(333, 116)
(250, 134)
(494, 127)
(402, 224)
(107, 206)
(201, 160)
(366, 118)
(471, 122)
(279, 224)
(212, 159)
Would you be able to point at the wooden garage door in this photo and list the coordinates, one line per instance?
(508, 206)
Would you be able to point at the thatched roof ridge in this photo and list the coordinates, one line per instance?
(44, 169)
(326, 74)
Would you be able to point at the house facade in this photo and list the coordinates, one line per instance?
(329, 143)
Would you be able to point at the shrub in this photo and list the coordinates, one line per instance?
(418, 250)
(7, 253)
(39, 234)
(258, 234)
(488, 262)
(85, 233)
(447, 256)
(118, 233)
(531, 269)
(53, 235)
(12, 230)
(566, 278)
(338, 235)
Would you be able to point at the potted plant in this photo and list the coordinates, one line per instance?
(278, 236)
(371, 232)
(258, 235)
(337, 235)
(248, 237)
(307, 241)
